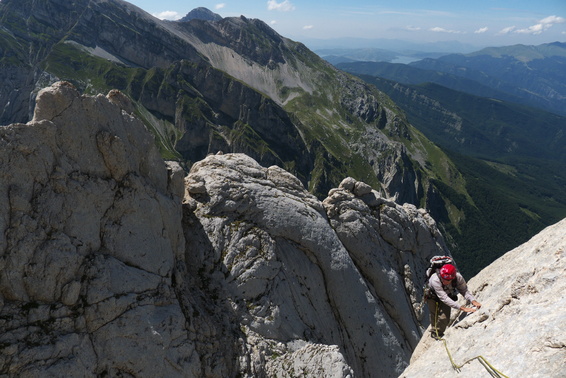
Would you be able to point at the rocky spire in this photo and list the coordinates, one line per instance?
(90, 227)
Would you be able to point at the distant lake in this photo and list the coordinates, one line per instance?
(405, 59)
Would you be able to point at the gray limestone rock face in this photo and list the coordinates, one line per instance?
(519, 329)
(291, 268)
(91, 232)
(389, 244)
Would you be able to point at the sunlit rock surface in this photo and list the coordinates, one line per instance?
(520, 328)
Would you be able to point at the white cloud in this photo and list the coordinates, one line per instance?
(481, 30)
(534, 30)
(273, 22)
(506, 30)
(308, 27)
(442, 30)
(544, 24)
(284, 6)
(413, 28)
(220, 6)
(553, 20)
(168, 15)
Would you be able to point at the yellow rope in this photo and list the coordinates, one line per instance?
(485, 363)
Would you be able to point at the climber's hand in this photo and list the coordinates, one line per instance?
(477, 304)
(468, 309)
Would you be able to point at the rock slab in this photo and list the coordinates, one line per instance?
(520, 327)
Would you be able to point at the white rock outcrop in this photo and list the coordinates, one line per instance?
(520, 329)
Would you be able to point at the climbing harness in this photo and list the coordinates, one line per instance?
(485, 363)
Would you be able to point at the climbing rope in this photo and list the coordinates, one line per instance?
(485, 363)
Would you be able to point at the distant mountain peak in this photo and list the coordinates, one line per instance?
(201, 13)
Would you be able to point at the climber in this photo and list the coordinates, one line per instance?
(442, 297)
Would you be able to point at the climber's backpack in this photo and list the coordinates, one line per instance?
(436, 263)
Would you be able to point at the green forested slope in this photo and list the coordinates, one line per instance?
(512, 158)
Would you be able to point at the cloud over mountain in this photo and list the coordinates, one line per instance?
(507, 30)
(168, 15)
(536, 29)
(443, 30)
(285, 6)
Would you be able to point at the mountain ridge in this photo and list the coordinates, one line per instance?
(409, 75)
(534, 73)
(524, 53)
(278, 68)
(521, 74)
(201, 13)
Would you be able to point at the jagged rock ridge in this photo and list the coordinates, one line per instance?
(104, 271)
(275, 246)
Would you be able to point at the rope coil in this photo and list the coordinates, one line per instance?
(485, 363)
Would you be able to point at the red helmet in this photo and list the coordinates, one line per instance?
(448, 272)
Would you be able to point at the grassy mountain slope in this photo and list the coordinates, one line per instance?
(233, 85)
(483, 127)
(511, 157)
(507, 207)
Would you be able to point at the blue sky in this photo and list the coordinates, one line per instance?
(476, 22)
